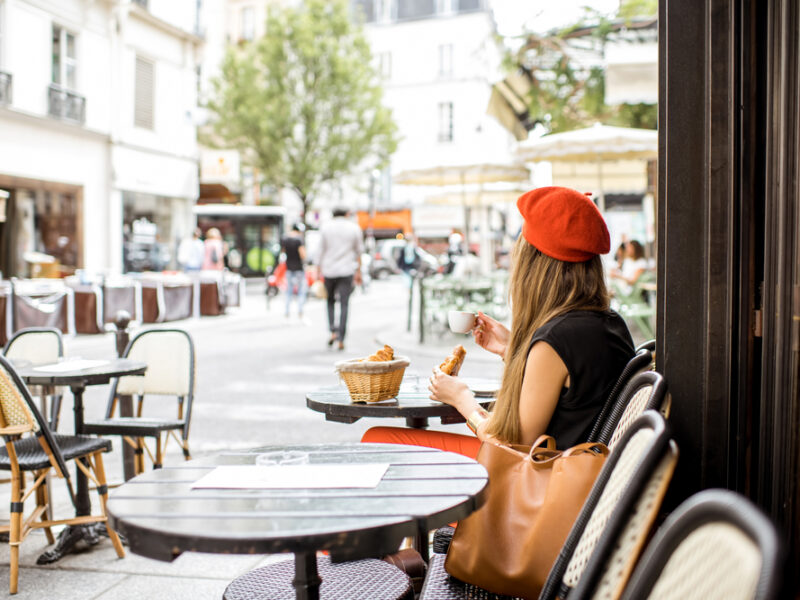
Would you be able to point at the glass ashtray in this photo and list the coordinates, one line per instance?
(282, 457)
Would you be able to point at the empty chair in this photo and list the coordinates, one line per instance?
(169, 354)
(30, 446)
(715, 545)
(39, 346)
(604, 542)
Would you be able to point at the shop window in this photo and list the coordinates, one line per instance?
(144, 94)
(55, 225)
(445, 121)
(63, 61)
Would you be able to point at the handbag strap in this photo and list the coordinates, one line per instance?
(595, 447)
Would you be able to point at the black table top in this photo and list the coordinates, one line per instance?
(161, 515)
(412, 402)
(114, 367)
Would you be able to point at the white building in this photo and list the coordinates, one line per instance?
(97, 109)
(438, 60)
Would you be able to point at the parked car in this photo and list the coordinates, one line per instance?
(384, 262)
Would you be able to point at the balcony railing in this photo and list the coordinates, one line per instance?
(5, 87)
(66, 105)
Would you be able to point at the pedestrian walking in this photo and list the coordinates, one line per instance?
(339, 264)
(192, 252)
(294, 249)
(214, 259)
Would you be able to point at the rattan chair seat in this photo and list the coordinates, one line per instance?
(135, 426)
(441, 586)
(369, 579)
(31, 456)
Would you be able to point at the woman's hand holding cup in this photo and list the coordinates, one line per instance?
(491, 335)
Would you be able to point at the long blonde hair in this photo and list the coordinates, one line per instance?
(540, 289)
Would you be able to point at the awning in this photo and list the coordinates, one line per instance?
(508, 104)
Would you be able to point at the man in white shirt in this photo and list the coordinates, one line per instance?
(339, 263)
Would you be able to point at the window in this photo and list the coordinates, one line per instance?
(63, 58)
(469, 5)
(247, 27)
(142, 3)
(415, 9)
(144, 94)
(445, 121)
(2, 25)
(385, 65)
(445, 60)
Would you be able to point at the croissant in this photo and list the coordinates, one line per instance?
(452, 364)
(384, 354)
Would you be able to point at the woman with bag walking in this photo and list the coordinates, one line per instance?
(566, 347)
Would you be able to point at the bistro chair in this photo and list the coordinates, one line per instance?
(169, 354)
(30, 446)
(610, 529)
(646, 391)
(640, 362)
(717, 544)
(367, 579)
(39, 346)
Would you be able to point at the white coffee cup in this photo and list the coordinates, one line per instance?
(460, 321)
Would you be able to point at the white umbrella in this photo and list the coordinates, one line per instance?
(448, 175)
(598, 144)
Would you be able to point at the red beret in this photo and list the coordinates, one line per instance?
(563, 223)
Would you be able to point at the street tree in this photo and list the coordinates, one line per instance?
(565, 72)
(303, 103)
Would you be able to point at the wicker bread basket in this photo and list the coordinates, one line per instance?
(372, 381)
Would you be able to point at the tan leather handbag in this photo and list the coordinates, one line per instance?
(535, 494)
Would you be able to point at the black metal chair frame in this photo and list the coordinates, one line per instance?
(639, 363)
(659, 447)
(710, 506)
(55, 405)
(135, 429)
(38, 455)
(657, 400)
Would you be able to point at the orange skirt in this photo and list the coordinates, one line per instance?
(466, 445)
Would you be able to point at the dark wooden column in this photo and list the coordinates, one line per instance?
(698, 240)
(778, 455)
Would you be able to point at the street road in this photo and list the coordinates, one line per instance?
(254, 367)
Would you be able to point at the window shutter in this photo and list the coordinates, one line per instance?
(143, 94)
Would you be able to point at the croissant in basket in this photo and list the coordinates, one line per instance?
(384, 354)
(452, 364)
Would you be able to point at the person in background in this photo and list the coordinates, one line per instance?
(408, 259)
(214, 257)
(339, 263)
(566, 348)
(191, 252)
(455, 248)
(294, 249)
(633, 265)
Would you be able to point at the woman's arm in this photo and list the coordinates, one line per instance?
(545, 376)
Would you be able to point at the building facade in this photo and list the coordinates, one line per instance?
(97, 133)
(438, 60)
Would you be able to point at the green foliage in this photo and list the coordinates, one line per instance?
(566, 95)
(303, 103)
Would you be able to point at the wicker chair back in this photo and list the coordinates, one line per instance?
(717, 544)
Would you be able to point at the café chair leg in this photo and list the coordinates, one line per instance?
(102, 490)
(15, 531)
(43, 501)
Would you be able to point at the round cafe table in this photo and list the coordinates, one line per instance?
(412, 403)
(163, 514)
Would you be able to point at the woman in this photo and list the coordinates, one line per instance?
(634, 264)
(565, 349)
(214, 259)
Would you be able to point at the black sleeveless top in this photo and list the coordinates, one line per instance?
(291, 246)
(595, 347)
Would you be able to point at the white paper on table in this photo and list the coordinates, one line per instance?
(293, 476)
(71, 365)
